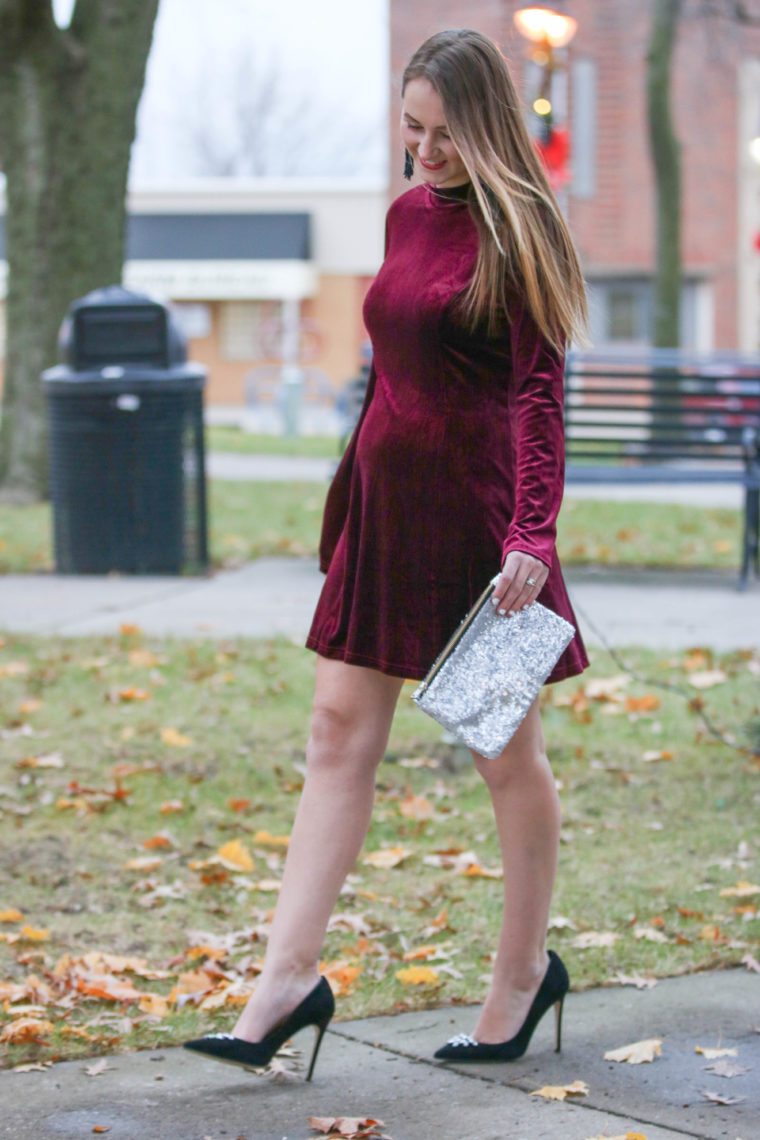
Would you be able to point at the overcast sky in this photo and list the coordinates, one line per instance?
(333, 52)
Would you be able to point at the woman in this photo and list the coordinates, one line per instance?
(453, 472)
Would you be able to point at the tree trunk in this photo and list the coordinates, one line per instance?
(666, 156)
(68, 102)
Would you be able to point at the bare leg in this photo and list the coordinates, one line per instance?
(526, 806)
(352, 715)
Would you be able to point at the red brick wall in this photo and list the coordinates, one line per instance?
(615, 229)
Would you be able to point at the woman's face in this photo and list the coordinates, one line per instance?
(426, 136)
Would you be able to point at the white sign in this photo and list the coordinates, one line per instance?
(223, 280)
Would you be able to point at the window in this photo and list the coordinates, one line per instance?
(622, 312)
(240, 329)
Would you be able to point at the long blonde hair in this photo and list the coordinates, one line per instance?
(525, 246)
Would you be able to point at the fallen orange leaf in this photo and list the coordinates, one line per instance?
(238, 805)
(175, 739)
(268, 840)
(25, 1030)
(11, 915)
(416, 807)
(143, 863)
(476, 871)
(157, 843)
(387, 857)
(235, 856)
(648, 703)
(742, 890)
(417, 976)
(29, 706)
(171, 806)
(421, 953)
(155, 1004)
(341, 975)
(32, 935)
(133, 694)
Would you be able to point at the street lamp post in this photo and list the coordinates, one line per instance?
(548, 30)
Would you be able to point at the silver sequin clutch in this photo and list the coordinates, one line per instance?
(485, 680)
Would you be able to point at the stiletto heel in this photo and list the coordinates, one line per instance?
(316, 1009)
(551, 992)
(319, 1034)
(558, 1024)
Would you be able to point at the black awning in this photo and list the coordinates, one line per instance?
(213, 237)
(218, 237)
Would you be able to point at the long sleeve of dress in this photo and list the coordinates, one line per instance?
(536, 400)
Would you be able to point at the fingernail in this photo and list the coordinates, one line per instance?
(494, 601)
(502, 613)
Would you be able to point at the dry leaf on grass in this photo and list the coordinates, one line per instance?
(708, 678)
(636, 980)
(417, 976)
(266, 839)
(11, 915)
(235, 856)
(606, 688)
(341, 975)
(649, 934)
(742, 890)
(421, 954)
(175, 739)
(416, 807)
(594, 938)
(714, 1054)
(656, 755)
(639, 1053)
(561, 1092)
(716, 1098)
(751, 963)
(387, 857)
(26, 1030)
(559, 922)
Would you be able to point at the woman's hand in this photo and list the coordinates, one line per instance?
(520, 582)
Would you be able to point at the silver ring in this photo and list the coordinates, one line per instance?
(530, 581)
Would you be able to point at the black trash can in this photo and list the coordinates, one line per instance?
(126, 448)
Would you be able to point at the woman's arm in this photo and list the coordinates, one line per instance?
(536, 406)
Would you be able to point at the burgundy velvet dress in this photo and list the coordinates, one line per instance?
(458, 458)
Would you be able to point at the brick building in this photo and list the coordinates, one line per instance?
(601, 94)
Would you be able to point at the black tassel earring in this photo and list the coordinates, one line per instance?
(408, 165)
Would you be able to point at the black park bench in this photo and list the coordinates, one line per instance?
(667, 416)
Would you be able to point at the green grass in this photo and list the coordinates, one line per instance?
(249, 520)
(248, 443)
(90, 769)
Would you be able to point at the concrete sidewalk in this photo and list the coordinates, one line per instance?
(382, 1068)
(276, 596)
